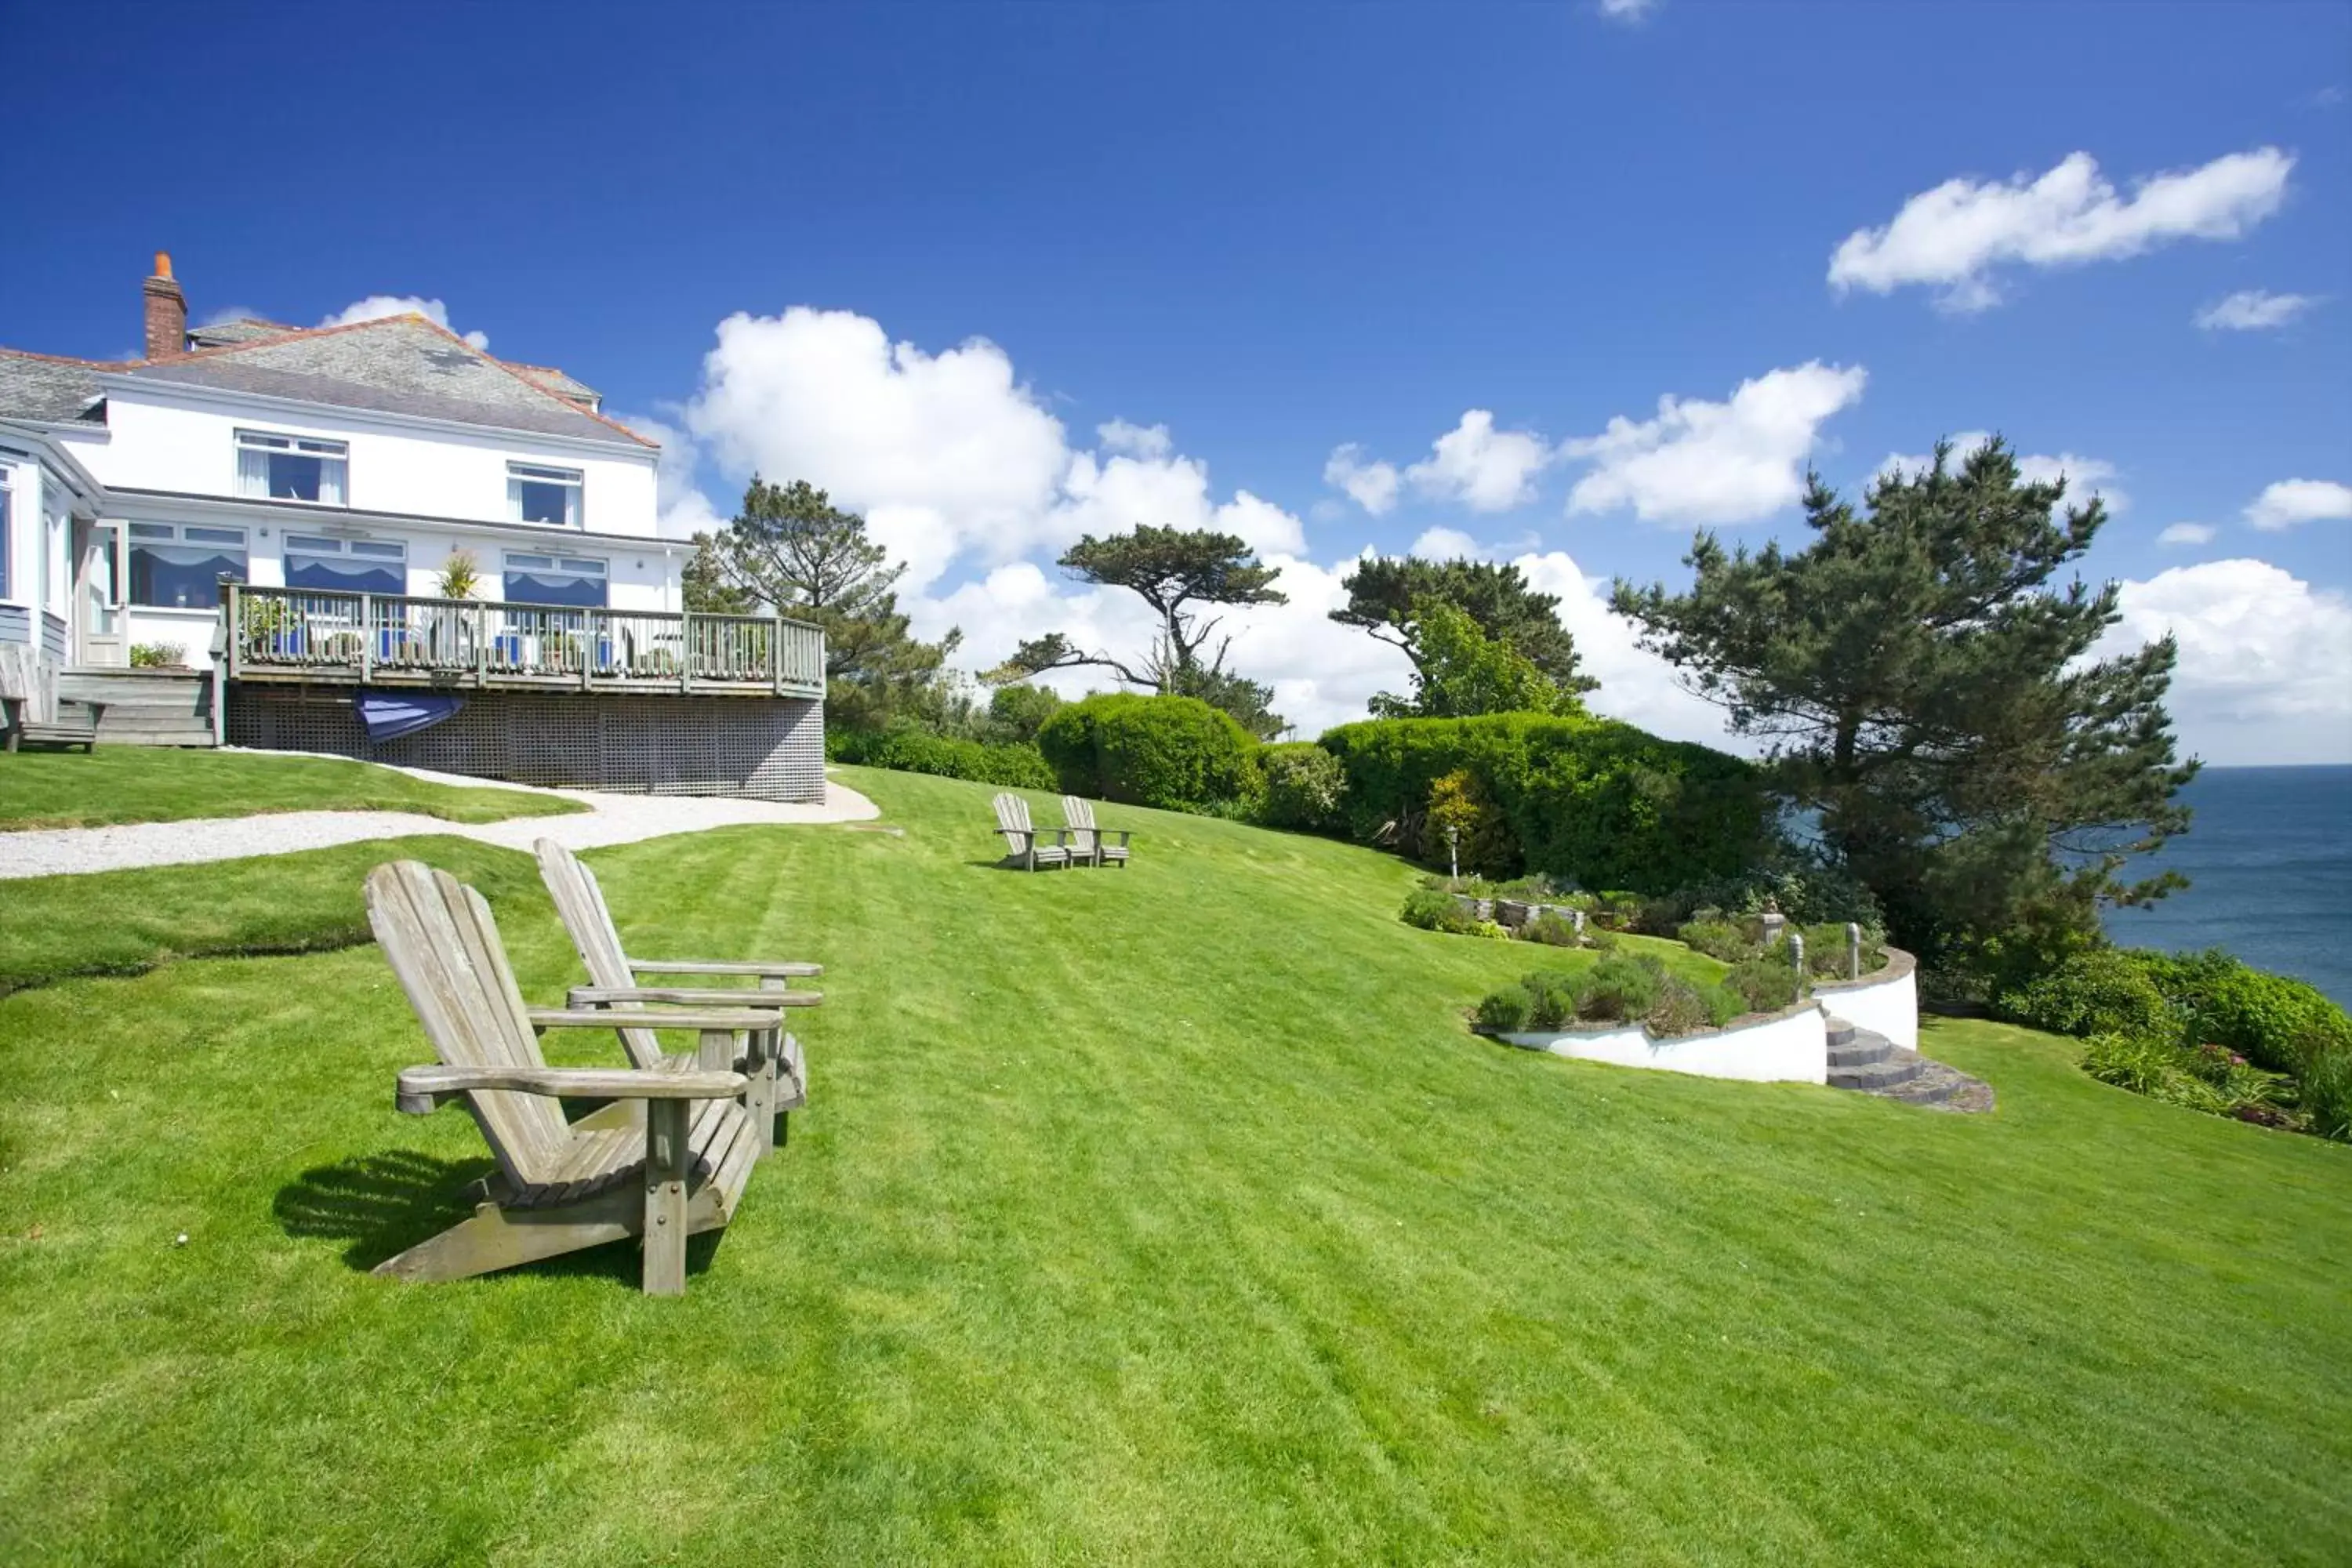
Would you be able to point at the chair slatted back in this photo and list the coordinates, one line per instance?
(580, 902)
(1012, 813)
(442, 943)
(1079, 814)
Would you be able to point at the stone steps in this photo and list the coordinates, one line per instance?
(1867, 1061)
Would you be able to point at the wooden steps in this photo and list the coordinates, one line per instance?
(144, 707)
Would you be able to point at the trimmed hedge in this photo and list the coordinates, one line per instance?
(1591, 799)
(1175, 753)
(918, 752)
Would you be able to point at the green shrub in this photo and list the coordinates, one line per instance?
(1681, 1009)
(1808, 895)
(1590, 799)
(1599, 939)
(918, 752)
(157, 655)
(1721, 940)
(2104, 991)
(1618, 987)
(2324, 1086)
(1504, 1010)
(2267, 1018)
(1764, 984)
(1825, 951)
(1304, 787)
(1432, 910)
(1616, 909)
(1552, 931)
(1551, 1000)
(1016, 712)
(1175, 753)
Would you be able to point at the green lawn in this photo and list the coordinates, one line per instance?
(155, 783)
(1168, 1215)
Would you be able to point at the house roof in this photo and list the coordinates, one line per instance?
(570, 388)
(46, 388)
(393, 364)
(237, 330)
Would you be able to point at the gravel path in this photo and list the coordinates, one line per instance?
(610, 819)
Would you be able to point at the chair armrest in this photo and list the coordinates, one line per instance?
(646, 1018)
(704, 966)
(421, 1088)
(584, 996)
(1124, 834)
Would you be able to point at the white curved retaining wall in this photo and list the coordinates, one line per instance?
(1886, 1002)
(1792, 1047)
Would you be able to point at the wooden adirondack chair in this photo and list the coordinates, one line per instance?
(30, 709)
(1021, 840)
(668, 1158)
(1087, 839)
(772, 1061)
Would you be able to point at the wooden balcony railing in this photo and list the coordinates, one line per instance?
(394, 640)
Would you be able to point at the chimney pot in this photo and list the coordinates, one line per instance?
(167, 313)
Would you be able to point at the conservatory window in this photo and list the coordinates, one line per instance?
(554, 580)
(180, 565)
(346, 565)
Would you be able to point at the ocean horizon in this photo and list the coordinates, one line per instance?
(2269, 862)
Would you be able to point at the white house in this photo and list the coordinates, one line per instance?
(324, 479)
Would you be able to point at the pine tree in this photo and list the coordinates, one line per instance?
(1922, 685)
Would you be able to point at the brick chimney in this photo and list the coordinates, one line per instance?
(167, 313)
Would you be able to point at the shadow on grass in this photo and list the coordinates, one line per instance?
(384, 1204)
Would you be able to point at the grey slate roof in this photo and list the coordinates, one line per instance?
(242, 329)
(569, 387)
(33, 386)
(399, 364)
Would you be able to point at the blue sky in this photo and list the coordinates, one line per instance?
(1283, 231)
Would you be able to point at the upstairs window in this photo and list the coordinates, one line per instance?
(292, 467)
(346, 565)
(180, 565)
(536, 494)
(555, 580)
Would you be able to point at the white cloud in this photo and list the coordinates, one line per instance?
(1485, 468)
(943, 453)
(1473, 465)
(2261, 676)
(1700, 462)
(2291, 501)
(1372, 486)
(2186, 534)
(949, 455)
(1135, 440)
(1627, 10)
(377, 306)
(1635, 685)
(2084, 477)
(1446, 544)
(1954, 236)
(2252, 310)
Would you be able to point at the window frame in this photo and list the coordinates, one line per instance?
(388, 554)
(8, 523)
(573, 481)
(326, 449)
(182, 535)
(554, 563)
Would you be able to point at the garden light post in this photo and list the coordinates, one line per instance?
(1796, 956)
(1454, 855)
(1852, 951)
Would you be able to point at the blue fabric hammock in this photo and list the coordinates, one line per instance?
(388, 716)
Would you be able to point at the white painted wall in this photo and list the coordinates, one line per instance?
(1790, 1049)
(160, 443)
(1890, 1006)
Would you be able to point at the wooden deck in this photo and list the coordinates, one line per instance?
(304, 636)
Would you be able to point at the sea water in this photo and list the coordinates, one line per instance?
(2269, 863)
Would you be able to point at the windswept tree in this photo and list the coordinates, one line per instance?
(791, 549)
(1925, 685)
(1385, 594)
(1177, 571)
